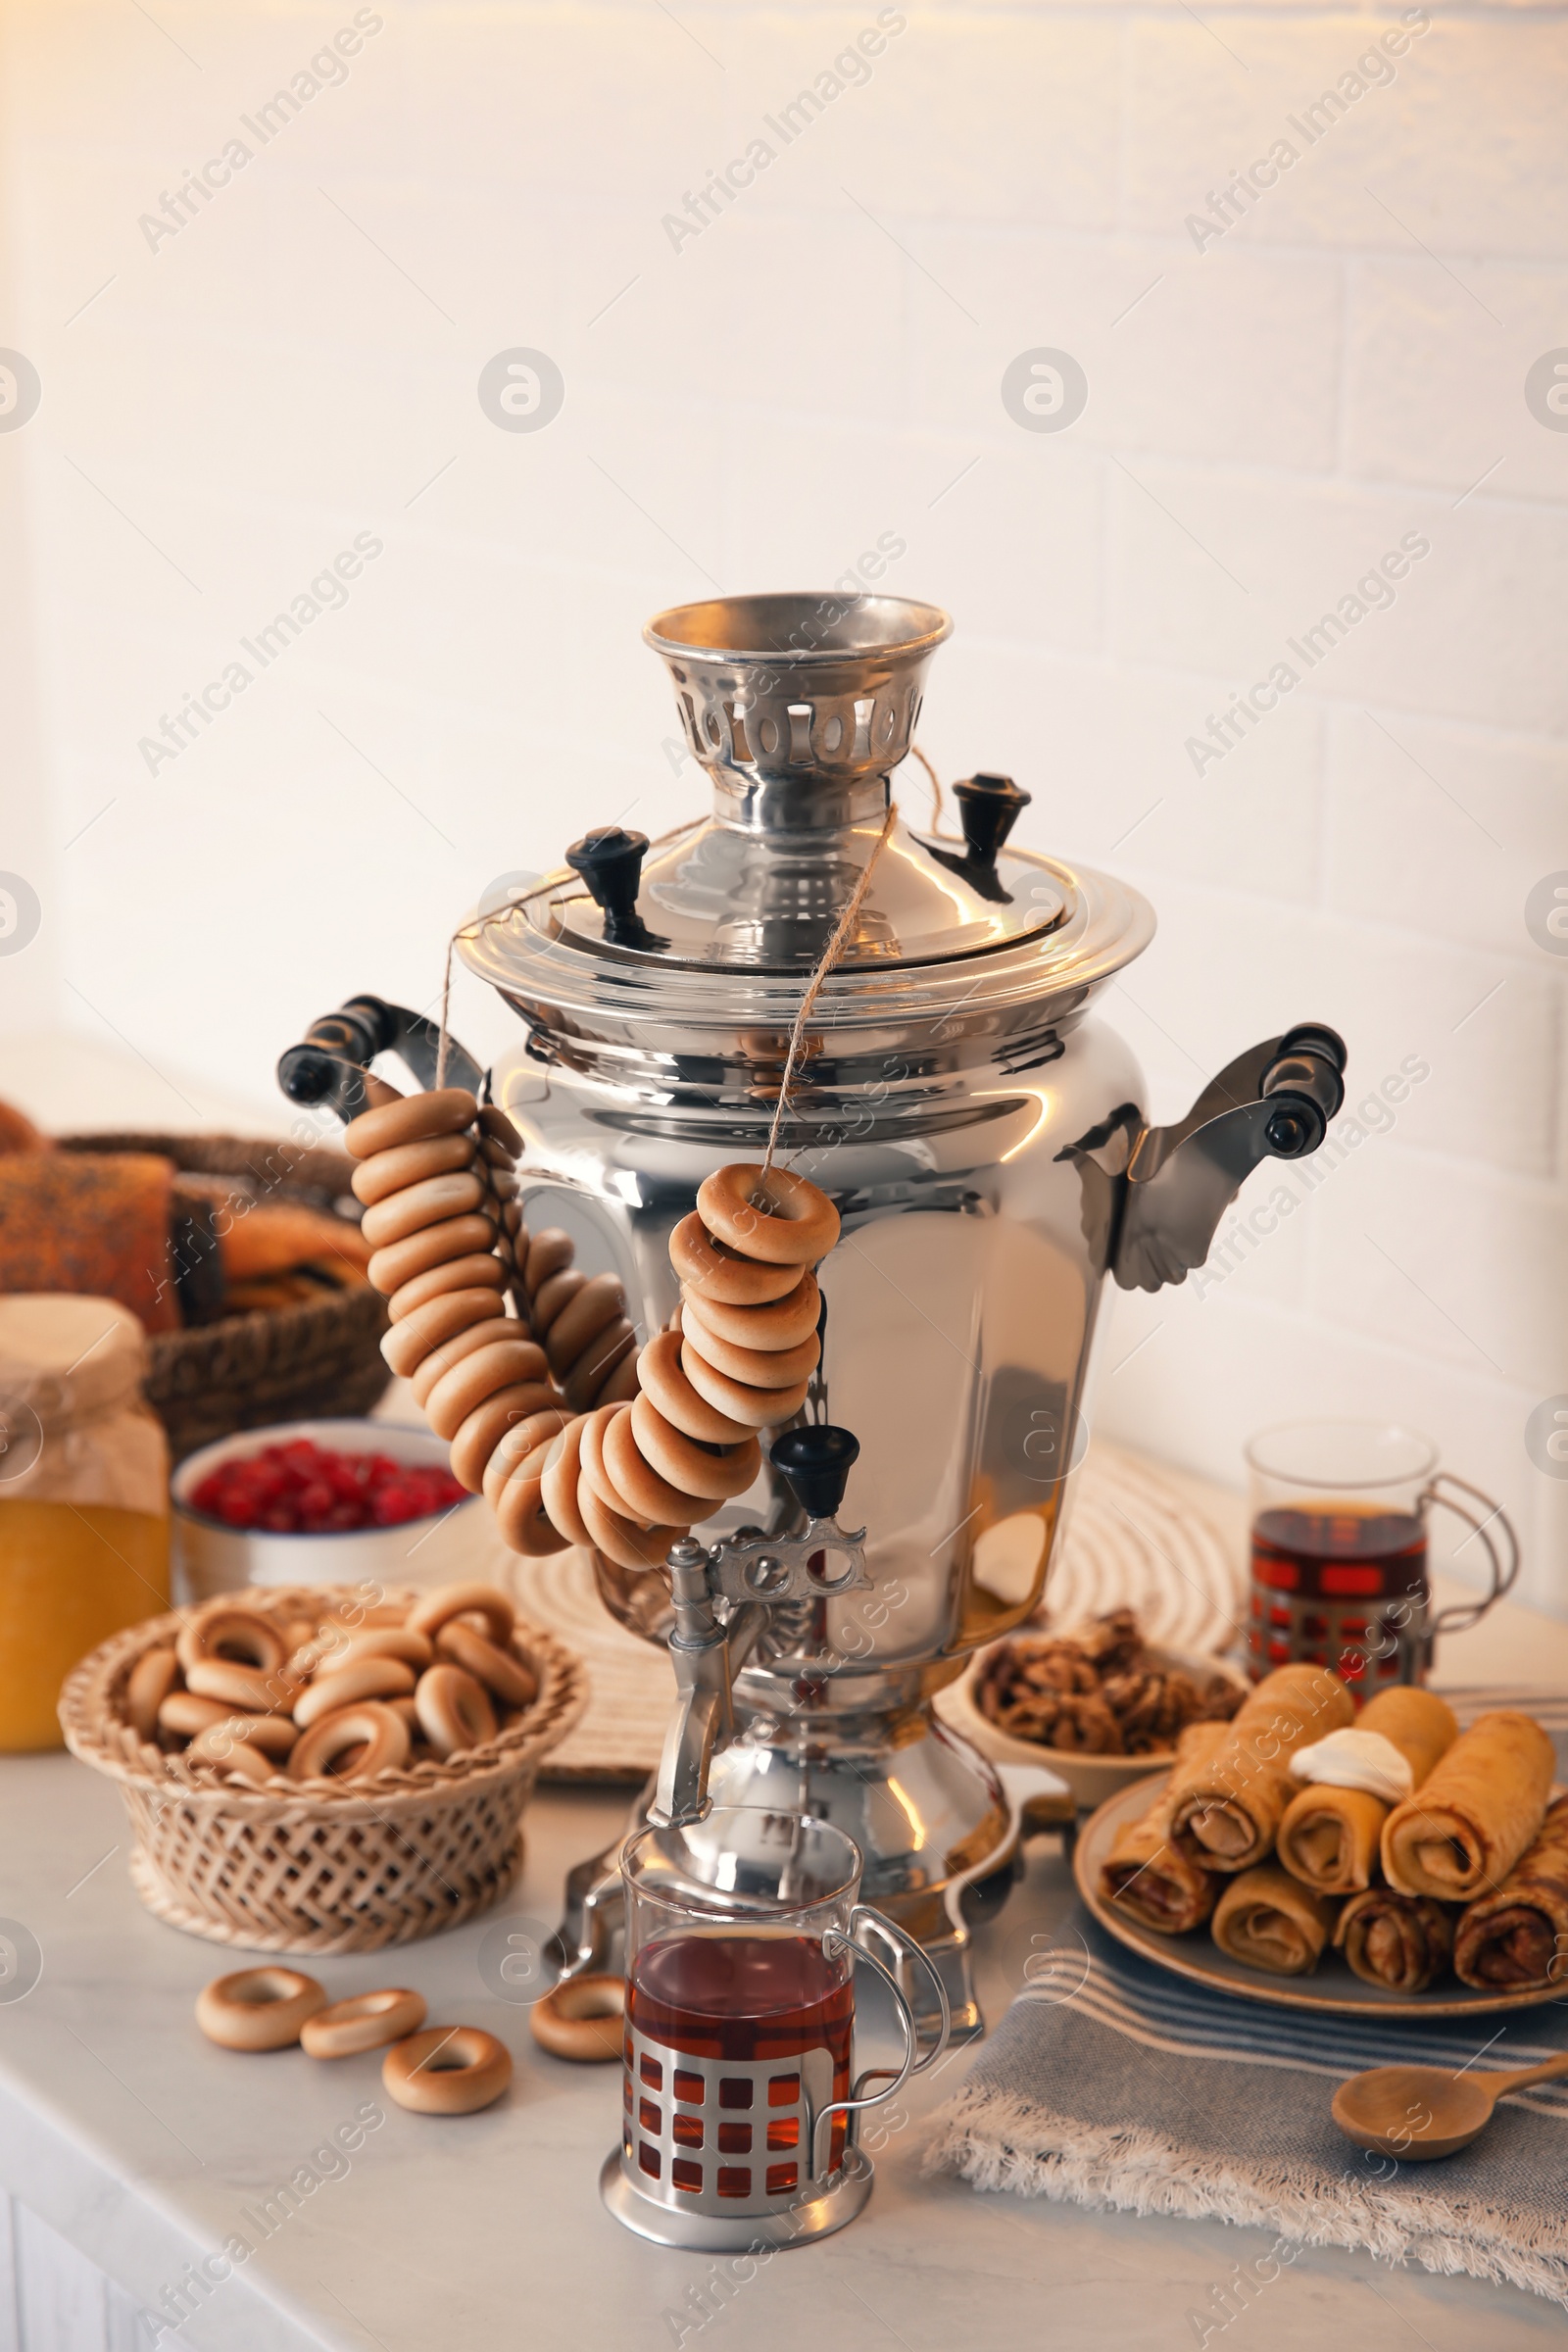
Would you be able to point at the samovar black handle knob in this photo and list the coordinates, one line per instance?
(610, 862)
(1315, 1037)
(328, 1065)
(816, 1462)
(988, 809)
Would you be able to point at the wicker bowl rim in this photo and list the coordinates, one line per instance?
(98, 1735)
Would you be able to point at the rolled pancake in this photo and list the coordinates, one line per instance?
(1269, 1919)
(1401, 1942)
(1227, 1811)
(1146, 1877)
(1330, 1835)
(1516, 1939)
(1461, 1832)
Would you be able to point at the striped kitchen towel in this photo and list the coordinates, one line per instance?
(1470, 1700)
(1110, 2082)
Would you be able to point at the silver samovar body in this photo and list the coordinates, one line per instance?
(979, 1128)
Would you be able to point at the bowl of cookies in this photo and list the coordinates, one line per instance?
(335, 1769)
(1097, 1703)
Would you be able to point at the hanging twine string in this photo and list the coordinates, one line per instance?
(842, 930)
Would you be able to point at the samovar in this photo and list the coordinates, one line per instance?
(979, 1128)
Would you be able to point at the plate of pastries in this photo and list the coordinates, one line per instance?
(1385, 1863)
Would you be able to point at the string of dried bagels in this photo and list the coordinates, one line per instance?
(572, 1435)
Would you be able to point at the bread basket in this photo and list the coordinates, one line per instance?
(320, 1359)
(319, 1866)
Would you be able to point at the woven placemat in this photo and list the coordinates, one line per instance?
(1132, 1540)
(1136, 1539)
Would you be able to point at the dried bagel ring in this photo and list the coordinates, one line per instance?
(666, 1380)
(480, 1439)
(585, 1383)
(464, 1344)
(403, 1262)
(446, 2070)
(502, 1363)
(271, 1735)
(558, 1483)
(494, 1123)
(240, 1757)
(716, 1476)
(753, 1367)
(553, 1297)
(718, 1272)
(185, 1713)
(505, 1677)
(758, 1408)
(445, 1112)
(394, 1169)
(344, 1684)
(784, 1323)
(402, 1641)
(480, 1270)
(381, 1732)
(626, 1481)
(438, 1609)
(620, 1385)
(581, 2019)
(519, 1443)
(600, 1302)
(223, 1632)
(518, 1504)
(433, 1202)
(244, 1686)
(621, 1539)
(150, 1683)
(550, 1252)
(453, 1711)
(406, 1344)
(258, 2008)
(769, 1213)
(366, 2021)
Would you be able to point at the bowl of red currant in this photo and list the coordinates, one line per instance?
(322, 1503)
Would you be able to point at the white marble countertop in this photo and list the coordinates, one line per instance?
(143, 2147)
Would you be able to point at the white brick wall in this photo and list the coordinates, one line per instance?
(1267, 416)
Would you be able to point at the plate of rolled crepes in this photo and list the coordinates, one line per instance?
(1380, 1864)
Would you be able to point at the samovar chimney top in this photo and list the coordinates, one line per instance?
(798, 706)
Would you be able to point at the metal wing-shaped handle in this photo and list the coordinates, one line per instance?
(1273, 1101)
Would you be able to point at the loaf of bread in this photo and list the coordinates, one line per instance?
(95, 1223)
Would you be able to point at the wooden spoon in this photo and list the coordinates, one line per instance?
(1422, 2110)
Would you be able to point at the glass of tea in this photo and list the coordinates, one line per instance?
(742, 1939)
(1339, 1550)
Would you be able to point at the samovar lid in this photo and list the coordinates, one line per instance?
(799, 707)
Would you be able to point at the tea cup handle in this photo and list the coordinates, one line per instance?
(864, 1914)
(1504, 1565)
(834, 1942)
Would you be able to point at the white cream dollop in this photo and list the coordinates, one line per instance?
(1356, 1760)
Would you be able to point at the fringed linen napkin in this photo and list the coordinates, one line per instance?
(1111, 2083)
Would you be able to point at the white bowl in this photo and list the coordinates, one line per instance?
(432, 1551)
(1092, 1778)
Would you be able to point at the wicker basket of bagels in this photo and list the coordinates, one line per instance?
(324, 1769)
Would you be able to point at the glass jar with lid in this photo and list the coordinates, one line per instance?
(84, 1497)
